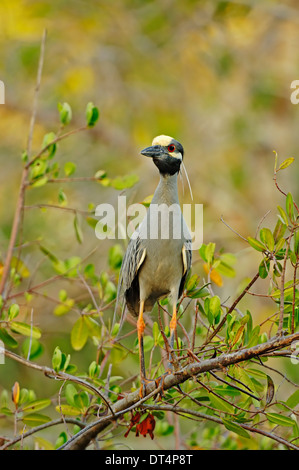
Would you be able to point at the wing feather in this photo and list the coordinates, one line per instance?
(187, 261)
(132, 261)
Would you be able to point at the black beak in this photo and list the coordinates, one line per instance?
(154, 151)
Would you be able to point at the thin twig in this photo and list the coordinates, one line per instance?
(132, 400)
(198, 414)
(61, 375)
(63, 208)
(54, 141)
(231, 309)
(294, 295)
(239, 235)
(21, 196)
(41, 427)
(281, 308)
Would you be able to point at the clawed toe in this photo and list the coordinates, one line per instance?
(144, 381)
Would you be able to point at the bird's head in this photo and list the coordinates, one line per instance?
(167, 154)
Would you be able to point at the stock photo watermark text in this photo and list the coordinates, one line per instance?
(164, 222)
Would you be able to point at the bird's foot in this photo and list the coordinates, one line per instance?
(160, 384)
(144, 381)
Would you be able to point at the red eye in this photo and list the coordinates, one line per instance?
(171, 148)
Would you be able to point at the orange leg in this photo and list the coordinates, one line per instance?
(173, 326)
(140, 332)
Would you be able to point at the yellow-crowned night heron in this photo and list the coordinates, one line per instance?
(158, 257)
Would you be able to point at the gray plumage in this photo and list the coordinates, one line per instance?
(158, 257)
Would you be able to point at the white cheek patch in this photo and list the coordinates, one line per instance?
(177, 155)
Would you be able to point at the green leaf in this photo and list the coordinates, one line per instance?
(65, 361)
(192, 282)
(79, 333)
(62, 199)
(24, 156)
(94, 328)
(93, 369)
(264, 268)
(254, 337)
(202, 252)
(215, 305)
(56, 359)
(270, 390)
(43, 444)
(279, 230)
(64, 307)
(25, 329)
(110, 292)
(231, 426)
(38, 168)
(100, 174)
(47, 144)
(67, 410)
(124, 182)
(34, 346)
(40, 182)
(267, 238)
(35, 419)
(7, 339)
(72, 265)
(156, 332)
(163, 428)
(65, 113)
(62, 295)
(281, 420)
(296, 243)
(62, 438)
(256, 244)
(81, 400)
(24, 394)
(70, 392)
(78, 231)
(241, 374)
(290, 207)
(285, 163)
(49, 254)
(148, 343)
(36, 405)
(293, 399)
(69, 168)
(13, 311)
(226, 269)
(221, 404)
(283, 216)
(279, 245)
(92, 114)
(115, 329)
(209, 252)
(115, 256)
(198, 293)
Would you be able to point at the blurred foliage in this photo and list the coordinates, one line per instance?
(216, 76)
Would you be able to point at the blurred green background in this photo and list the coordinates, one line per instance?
(214, 75)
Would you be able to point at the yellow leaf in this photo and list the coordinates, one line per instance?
(16, 393)
(214, 275)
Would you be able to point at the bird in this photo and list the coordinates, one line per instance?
(158, 257)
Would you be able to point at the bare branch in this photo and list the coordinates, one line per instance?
(82, 439)
(21, 197)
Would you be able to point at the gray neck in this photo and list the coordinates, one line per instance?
(167, 190)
